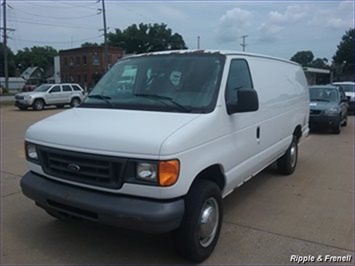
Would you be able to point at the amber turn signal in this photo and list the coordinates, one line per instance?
(168, 172)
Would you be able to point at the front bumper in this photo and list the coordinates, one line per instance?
(23, 103)
(324, 120)
(140, 214)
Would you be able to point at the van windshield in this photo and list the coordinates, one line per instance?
(168, 83)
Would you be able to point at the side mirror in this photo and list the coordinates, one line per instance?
(247, 101)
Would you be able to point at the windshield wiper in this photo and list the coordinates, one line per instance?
(101, 97)
(160, 97)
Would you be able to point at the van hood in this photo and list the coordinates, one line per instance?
(109, 131)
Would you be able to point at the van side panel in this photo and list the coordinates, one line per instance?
(284, 104)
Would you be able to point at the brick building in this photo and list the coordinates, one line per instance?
(85, 65)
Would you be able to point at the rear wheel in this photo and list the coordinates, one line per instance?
(38, 104)
(287, 163)
(199, 231)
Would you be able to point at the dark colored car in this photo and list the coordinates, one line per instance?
(328, 108)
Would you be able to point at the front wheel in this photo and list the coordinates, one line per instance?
(199, 231)
(337, 128)
(75, 102)
(38, 105)
(287, 163)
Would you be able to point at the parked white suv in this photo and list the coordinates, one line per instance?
(160, 154)
(349, 89)
(50, 94)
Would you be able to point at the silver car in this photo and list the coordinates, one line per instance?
(50, 94)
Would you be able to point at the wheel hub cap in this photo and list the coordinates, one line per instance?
(293, 152)
(208, 222)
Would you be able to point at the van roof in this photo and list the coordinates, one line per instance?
(222, 52)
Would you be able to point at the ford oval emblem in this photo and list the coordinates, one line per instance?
(73, 167)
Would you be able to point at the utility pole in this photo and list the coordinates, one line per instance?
(105, 35)
(198, 42)
(243, 44)
(6, 68)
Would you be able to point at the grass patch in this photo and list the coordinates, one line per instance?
(7, 103)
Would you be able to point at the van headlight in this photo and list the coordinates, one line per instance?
(31, 152)
(147, 172)
(162, 173)
(332, 111)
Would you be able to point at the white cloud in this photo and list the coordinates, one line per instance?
(334, 18)
(278, 21)
(233, 24)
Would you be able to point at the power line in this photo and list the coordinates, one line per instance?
(81, 6)
(56, 7)
(53, 24)
(51, 17)
(82, 40)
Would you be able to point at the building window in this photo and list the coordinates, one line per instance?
(84, 59)
(78, 78)
(85, 77)
(71, 63)
(65, 61)
(95, 59)
(77, 59)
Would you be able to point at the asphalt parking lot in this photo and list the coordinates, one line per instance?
(266, 221)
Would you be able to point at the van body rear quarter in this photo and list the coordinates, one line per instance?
(159, 153)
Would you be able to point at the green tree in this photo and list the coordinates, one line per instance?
(146, 38)
(11, 62)
(346, 49)
(89, 44)
(36, 56)
(319, 63)
(304, 58)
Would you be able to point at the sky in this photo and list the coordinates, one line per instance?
(276, 28)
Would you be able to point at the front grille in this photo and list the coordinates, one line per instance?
(96, 170)
(18, 97)
(315, 112)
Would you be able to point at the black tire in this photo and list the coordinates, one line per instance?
(188, 238)
(22, 108)
(286, 164)
(345, 123)
(60, 106)
(337, 128)
(38, 104)
(75, 102)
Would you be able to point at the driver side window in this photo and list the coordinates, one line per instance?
(238, 78)
(55, 89)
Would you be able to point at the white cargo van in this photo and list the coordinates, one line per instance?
(160, 156)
